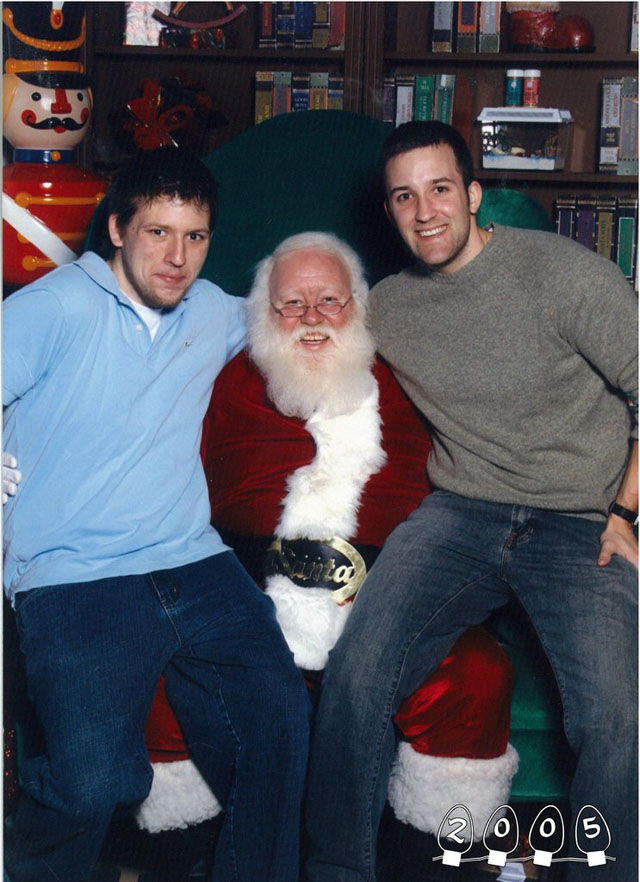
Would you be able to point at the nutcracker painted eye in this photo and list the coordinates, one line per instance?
(36, 96)
(80, 96)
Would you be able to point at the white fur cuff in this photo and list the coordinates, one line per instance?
(179, 797)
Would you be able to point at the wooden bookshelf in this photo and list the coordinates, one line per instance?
(380, 38)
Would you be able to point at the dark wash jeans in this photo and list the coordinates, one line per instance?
(93, 655)
(445, 568)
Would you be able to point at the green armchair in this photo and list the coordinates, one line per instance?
(318, 170)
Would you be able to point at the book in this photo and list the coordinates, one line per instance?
(337, 25)
(285, 24)
(320, 26)
(633, 36)
(319, 91)
(281, 92)
(423, 97)
(585, 226)
(300, 91)
(267, 32)
(442, 37)
(303, 25)
(489, 26)
(626, 232)
(444, 95)
(610, 124)
(336, 91)
(389, 98)
(263, 95)
(467, 26)
(404, 99)
(606, 225)
(565, 215)
(628, 148)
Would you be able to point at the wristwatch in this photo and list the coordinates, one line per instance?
(622, 512)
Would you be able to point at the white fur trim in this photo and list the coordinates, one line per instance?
(323, 497)
(423, 788)
(310, 619)
(179, 797)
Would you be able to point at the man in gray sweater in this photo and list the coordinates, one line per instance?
(520, 349)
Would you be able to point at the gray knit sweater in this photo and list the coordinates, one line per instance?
(521, 362)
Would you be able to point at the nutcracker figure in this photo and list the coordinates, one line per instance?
(47, 200)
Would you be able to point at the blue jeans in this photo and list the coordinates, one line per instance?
(93, 655)
(447, 567)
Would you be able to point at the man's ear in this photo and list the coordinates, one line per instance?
(475, 196)
(114, 232)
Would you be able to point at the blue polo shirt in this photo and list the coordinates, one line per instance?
(106, 427)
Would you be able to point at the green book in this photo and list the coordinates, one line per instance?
(423, 97)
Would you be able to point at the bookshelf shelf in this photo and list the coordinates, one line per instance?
(381, 38)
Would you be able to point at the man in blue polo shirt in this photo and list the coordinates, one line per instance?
(111, 565)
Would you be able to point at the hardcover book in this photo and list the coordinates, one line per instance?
(442, 38)
(444, 96)
(606, 226)
(267, 33)
(489, 26)
(610, 124)
(585, 228)
(336, 91)
(565, 215)
(404, 99)
(467, 27)
(285, 25)
(281, 92)
(627, 231)
(628, 150)
(300, 91)
(319, 91)
(303, 25)
(337, 25)
(320, 29)
(423, 97)
(263, 95)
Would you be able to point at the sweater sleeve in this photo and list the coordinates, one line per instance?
(601, 323)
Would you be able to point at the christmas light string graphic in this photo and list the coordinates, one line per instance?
(546, 837)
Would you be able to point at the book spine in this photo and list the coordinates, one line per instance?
(489, 26)
(442, 37)
(628, 152)
(267, 34)
(303, 25)
(389, 98)
(627, 231)
(585, 229)
(281, 92)
(444, 96)
(467, 26)
(263, 95)
(320, 29)
(633, 36)
(337, 25)
(610, 124)
(285, 25)
(565, 216)
(300, 92)
(423, 98)
(404, 99)
(606, 226)
(319, 91)
(336, 91)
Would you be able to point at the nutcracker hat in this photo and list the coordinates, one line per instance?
(43, 43)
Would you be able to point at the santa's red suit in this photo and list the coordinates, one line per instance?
(342, 482)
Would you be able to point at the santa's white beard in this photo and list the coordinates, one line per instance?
(333, 379)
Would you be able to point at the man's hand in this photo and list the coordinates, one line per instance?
(11, 477)
(618, 538)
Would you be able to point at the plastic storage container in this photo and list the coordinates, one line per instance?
(525, 138)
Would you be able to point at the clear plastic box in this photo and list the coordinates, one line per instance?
(525, 138)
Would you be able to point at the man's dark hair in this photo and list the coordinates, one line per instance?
(164, 172)
(415, 134)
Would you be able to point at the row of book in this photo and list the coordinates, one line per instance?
(423, 96)
(466, 27)
(606, 224)
(302, 25)
(619, 126)
(281, 91)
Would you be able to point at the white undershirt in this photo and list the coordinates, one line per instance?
(151, 317)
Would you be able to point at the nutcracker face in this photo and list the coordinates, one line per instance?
(46, 118)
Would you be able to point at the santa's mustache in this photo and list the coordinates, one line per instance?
(54, 122)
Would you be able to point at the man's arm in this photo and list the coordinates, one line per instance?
(618, 536)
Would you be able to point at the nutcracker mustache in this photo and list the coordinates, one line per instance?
(55, 122)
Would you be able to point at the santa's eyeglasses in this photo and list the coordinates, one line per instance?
(323, 307)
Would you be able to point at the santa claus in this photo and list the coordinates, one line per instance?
(313, 455)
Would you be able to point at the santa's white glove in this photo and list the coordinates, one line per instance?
(11, 477)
